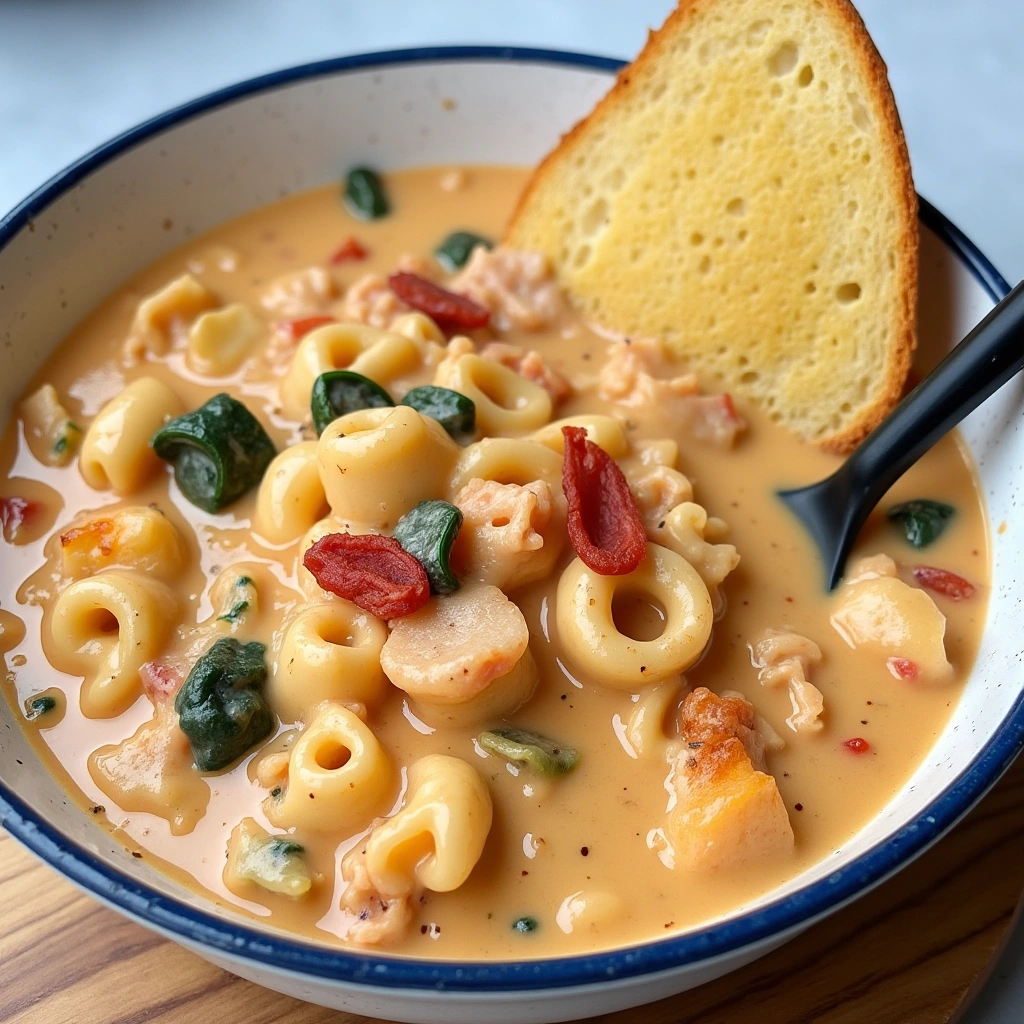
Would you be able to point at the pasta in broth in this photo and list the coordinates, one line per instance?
(411, 619)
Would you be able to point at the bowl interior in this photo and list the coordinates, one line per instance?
(78, 238)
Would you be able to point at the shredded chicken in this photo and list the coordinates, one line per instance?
(272, 769)
(684, 529)
(370, 301)
(300, 293)
(517, 288)
(531, 365)
(377, 920)
(657, 490)
(712, 418)
(784, 657)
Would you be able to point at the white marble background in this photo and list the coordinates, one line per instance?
(75, 72)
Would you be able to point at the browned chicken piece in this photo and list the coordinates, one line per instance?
(377, 920)
(784, 657)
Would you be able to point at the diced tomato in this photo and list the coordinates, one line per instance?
(15, 513)
(159, 679)
(604, 526)
(374, 572)
(943, 582)
(352, 251)
(857, 745)
(445, 308)
(295, 330)
(903, 668)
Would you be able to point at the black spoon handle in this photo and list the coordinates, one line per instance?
(981, 364)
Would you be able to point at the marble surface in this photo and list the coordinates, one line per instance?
(75, 72)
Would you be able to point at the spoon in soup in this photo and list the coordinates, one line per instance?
(835, 509)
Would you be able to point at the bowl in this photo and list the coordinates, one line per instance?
(122, 206)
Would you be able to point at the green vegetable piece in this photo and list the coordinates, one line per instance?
(69, 437)
(241, 598)
(923, 520)
(338, 392)
(272, 862)
(524, 925)
(536, 752)
(456, 249)
(220, 707)
(427, 532)
(364, 194)
(219, 452)
(39, 705)
(455, 412)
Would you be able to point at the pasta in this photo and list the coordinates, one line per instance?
(49, 430)
(176, 304)
(508, 461)
(586, 623)
(506, 403)
(605, 431)
(329, 652)
(116, 451)
(136, 537)
(291, 495)
(338, 778)
(105, 628)
(219, 341)
(376, 464)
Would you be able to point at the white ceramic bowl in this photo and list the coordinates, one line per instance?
(88, 229)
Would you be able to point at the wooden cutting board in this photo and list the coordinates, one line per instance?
(909, 953)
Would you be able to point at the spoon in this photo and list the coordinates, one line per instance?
(835, 509)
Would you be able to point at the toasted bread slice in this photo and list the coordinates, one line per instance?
(744, 193)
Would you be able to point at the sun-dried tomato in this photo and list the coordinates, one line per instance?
(857, 745)
(943, 582)
(903, 668)
(294, 330)
(352, 251)
(16, 512)
(603, 522)
(445, 308)
(374, 572)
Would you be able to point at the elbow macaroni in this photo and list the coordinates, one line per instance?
(329, 652)
(339, 776)
(105, 628)
(116, 451)
(291, 495)
(436, 839)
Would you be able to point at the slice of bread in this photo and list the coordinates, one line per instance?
(744, 193)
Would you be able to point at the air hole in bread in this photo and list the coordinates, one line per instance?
(805, 77)
(810, 287)
(595, 218)
(776, 89)
(737, 207)
(784, 59)
(691, 174)
(581, 256)
(750, 376)
(851, 208)
(696, 238)
(846, 407)
(833, 149)
(860, 114)
(616, 178)
(758, 32)
(718, 139)
(705, 265)
(658, 91)
(849, 292)
(742, 234)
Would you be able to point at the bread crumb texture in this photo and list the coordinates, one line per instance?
(744, 193)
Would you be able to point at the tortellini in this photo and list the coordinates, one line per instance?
(508, 461)
(136, 537)
(178, 302)
(291, 495)
(219, 341)
(605, 431)
(51, 434)
(116, 451)
(105, 628)
(339, 776)
(593, 641)
(329, 652)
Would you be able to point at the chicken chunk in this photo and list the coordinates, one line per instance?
(531, 365)
(370, 301)
(785, 658)
(376, 920)
(519, 289)
(300, 293)
(728, 812)
(656, 489)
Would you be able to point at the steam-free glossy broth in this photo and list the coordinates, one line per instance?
(587, 856)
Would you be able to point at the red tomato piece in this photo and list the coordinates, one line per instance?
(445, 308)
(16, 512)
(903, 668)
(352, 251)
(374, 572)
(943, 582)
(857, 745)
(294, 330)
(603, 522)
(159, 679)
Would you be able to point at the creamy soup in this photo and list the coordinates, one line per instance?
(617, 705)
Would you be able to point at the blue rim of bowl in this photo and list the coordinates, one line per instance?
(277, 951)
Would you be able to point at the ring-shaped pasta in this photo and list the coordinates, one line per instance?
(376, 464)
(419, 328)
(332, 347)
(105, 628)
(436, 839)
(509, 461)
(594, 644)
(338, 775)
(115, 451)
(330, 652)
(291, 496)
(385, 360)
(605, 431)
(507, 404)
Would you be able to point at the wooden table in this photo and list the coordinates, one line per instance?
(909, 953)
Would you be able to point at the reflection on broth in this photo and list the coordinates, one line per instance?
(480, 772)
